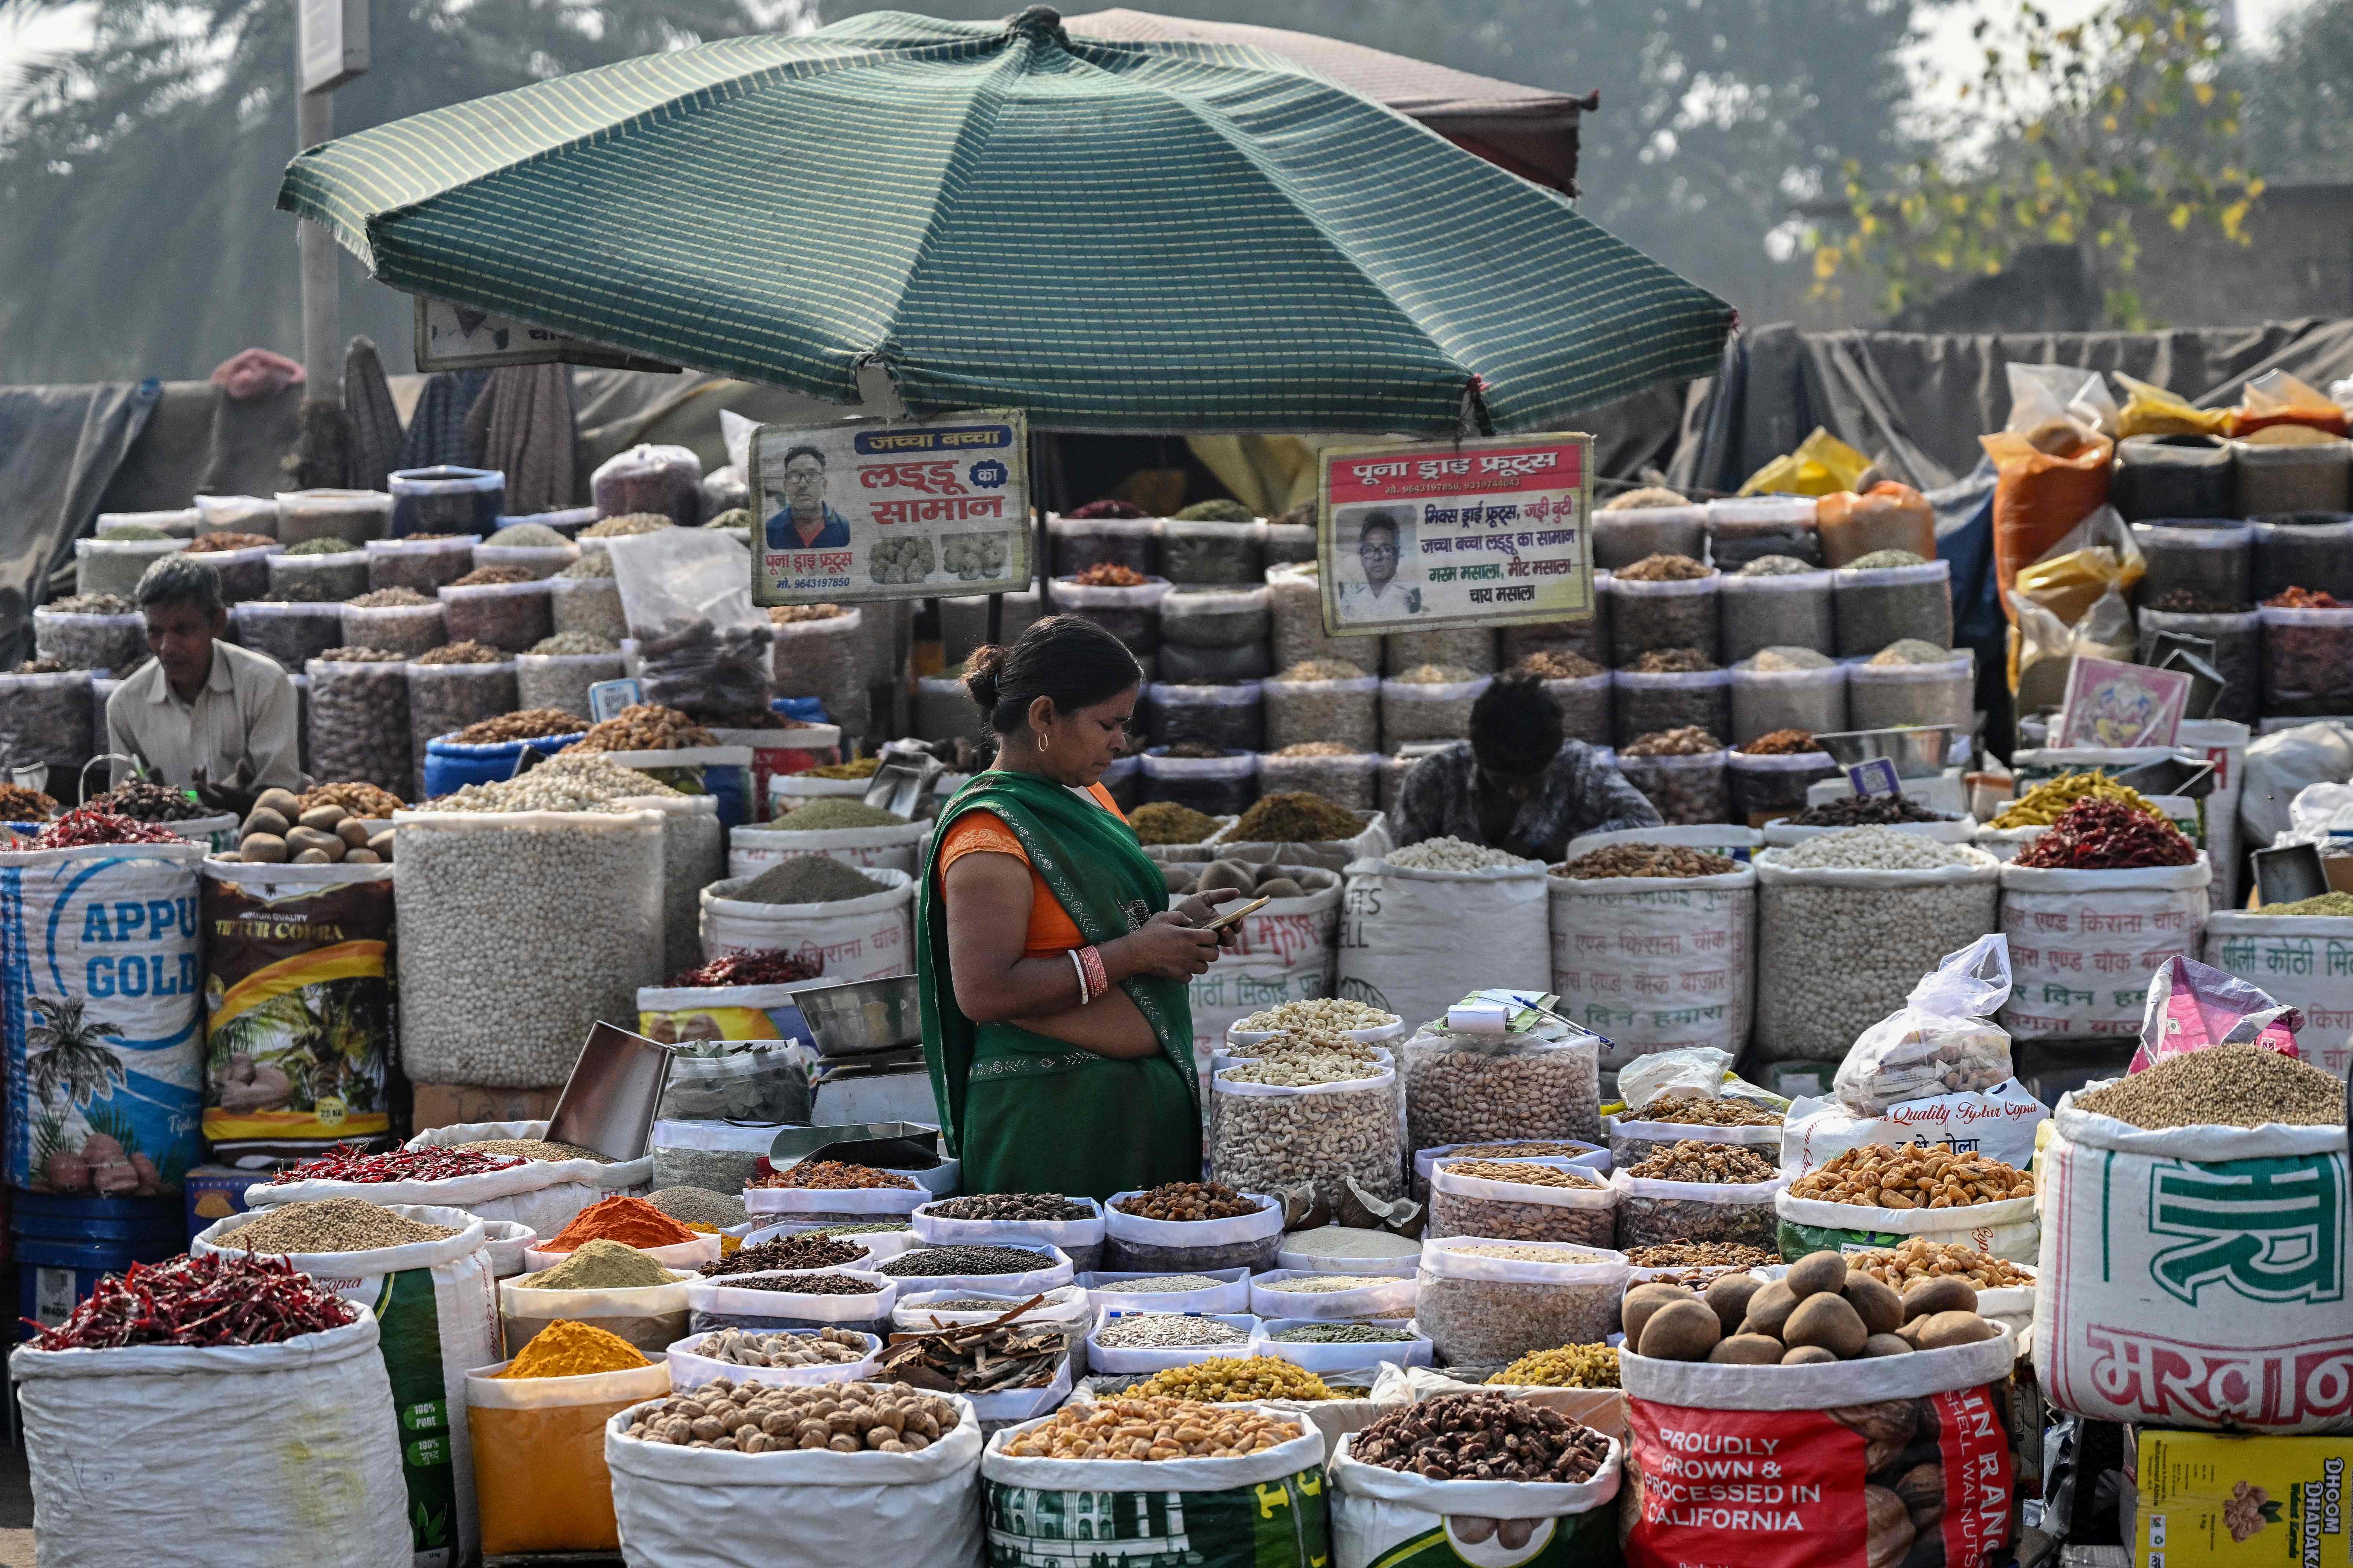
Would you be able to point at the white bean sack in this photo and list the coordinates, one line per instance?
(2083, 943)
(1656, 963)
(2304, 961)
(798, 1508)
(1405, 934)
(313, 1476)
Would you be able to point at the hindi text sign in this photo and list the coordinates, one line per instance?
(863, 510)
(1476, 532)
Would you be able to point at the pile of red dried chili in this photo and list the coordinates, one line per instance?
(772, 966)
(2096, 835)
(2304, 599)
(89, 824)
(219, 1299)
(346, 1162)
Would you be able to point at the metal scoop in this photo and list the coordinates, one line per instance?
(608, 1103)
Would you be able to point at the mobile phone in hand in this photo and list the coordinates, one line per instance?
(1234, 916)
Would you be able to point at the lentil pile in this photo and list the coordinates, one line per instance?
(1482, 1437)
(828, 811)
(1188, 1201)
(1167, 1284)
(807, 879)
(944, 1262)
(805, 1284)
(1448, 853)
(764, 1418)
(647, 726)
(1645, 861)
(698, 1206)
(1297, 817)
(536, 1149)
(332, 1224)
(1775, 566)
(1033, 1207)
(1166, 1331)
(831, 1175)
(1233, 1380)
(1165, 822)
(2333, 904)
(1150, 1429)
(2221, 1086)
(1570, 1366)
(1343, 1334)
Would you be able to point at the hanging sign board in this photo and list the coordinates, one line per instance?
(333, 42)
(891, 510)
(451, 336)
(1476, 532)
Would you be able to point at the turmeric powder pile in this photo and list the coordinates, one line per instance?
(567, 1349)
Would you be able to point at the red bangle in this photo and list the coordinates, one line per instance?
(1091, 960)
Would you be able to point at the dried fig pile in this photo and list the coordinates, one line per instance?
(1820, 1312)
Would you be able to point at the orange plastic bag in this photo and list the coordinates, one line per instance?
(1888, 516)
(2276, 398)
(2039, 496)
(540, 1480)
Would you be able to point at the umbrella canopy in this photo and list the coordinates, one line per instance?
(1113, 235)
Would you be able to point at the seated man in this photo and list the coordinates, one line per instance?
(202, 710)
(1516, 784)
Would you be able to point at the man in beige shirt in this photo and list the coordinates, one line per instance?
(203, 711)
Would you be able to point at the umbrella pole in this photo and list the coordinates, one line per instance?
(1038, 551)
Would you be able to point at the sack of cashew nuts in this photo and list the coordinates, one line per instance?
(1894, 1462)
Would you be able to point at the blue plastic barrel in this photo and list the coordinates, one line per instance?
(63, 1244)
(449, 766)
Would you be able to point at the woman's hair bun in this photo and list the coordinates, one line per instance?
(981, 672)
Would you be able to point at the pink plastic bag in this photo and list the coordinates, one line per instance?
(2191, 1007)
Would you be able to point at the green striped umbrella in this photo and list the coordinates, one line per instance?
(1112, 236)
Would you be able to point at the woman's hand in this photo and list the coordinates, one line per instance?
(1201, 908)
(1168, 946)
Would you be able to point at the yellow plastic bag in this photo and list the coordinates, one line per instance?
(2074, 602)
(1823, 465)
(2153, 411)
(540, 1480)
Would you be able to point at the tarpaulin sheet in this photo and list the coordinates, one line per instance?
(59, 448)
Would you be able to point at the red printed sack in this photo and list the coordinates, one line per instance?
(1896, 1462)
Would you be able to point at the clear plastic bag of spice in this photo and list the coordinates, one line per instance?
(319, 579)
(1230, 718)
(292, 634)
(2210, 557)
(1686, 790)
(1348, 781)
(1622, 537)
(2302, 550)
(1789, 611)
(1465, 648)
(1415, 711)
(1585, 706)
(1645, 704)
(1767, 787)
(1212, 618)
(1218, 786)
(1347, 711)
(1891, 696)
(424, 564)
(411, 629)
(2307, 662)
(2238, 642)
(1463, 1205)
(510, 616)
(1764, 700)
(1740, 529)
(90, 642)
(1295, 613)
(1217, 553)
(590, 605)
(562, 679)
(1654, 1213)
(1646, 617)
(1130, 614)
(244, 573)
(1079, 542)
(1879, 604)
(1480, 1310)
(443, 698)
(359, 723)
(49, 719)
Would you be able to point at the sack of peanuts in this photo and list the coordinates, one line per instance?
(1881, 1195)
(1849, 1464)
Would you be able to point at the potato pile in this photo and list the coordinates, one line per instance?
(1820, 1312)
(1266, 882)
(278, 831)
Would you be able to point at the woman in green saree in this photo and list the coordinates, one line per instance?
(1052, 979)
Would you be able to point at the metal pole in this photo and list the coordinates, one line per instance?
(1039, 551)
(314, 119)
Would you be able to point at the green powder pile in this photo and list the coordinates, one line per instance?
(602, 1266)
(2326, 904)
(322, 547)
(839, 811)
(807, 879)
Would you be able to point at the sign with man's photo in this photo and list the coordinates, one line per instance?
(1476, 532)
(863, 510)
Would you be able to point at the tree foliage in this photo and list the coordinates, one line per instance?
(2299, 96)
(138, 174)
(2087, 134)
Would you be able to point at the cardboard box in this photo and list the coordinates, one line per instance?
(441, 1104)
(2207, 1501)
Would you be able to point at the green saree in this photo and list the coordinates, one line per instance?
(1027, 1113)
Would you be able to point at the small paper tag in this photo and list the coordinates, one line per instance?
(607, 697)
(1876, 776)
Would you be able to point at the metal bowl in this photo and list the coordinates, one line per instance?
(863, 1016)
(1919, 752)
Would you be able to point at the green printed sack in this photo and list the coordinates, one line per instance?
(1392, 1518)
(1266, 1510)
(436, 1319)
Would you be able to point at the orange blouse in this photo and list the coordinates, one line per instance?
(1052, 929)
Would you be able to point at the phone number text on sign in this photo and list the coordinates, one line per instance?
(1477, 532)
(869, 511)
